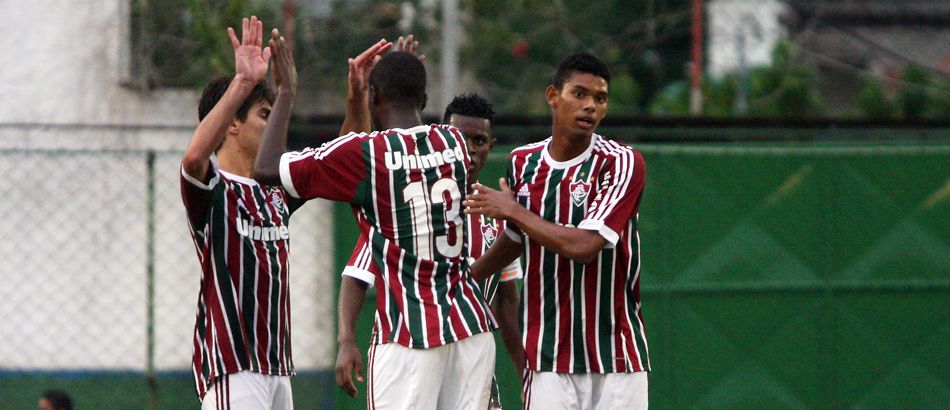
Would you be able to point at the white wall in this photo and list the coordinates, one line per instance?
(73, 244)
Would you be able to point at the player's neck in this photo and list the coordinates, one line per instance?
(233, 163)
(565, 146)
(401, 118)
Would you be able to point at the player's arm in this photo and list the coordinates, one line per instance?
(250, 68)
(357, 118)
(348, 358)
(274, 142)
(496, 258)
(506, 311)
(580, 245)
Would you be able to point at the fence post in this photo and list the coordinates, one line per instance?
(150, 280)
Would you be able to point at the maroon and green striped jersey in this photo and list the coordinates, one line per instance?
(481, 232)
(241, 235)
(579, 318)
(408, 185)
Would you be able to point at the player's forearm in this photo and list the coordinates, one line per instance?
(506, 311)
(357, 117)
(211, 131)
(502, 253)
(580, 245)
(274, 142)
(352, 296)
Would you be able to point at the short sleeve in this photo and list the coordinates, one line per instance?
(511, 272)
(618, 196)
(197, 194)
(333, 171)
(360, 265)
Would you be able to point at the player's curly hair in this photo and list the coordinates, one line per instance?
(580, 62)
(472, 105)
(216, 88)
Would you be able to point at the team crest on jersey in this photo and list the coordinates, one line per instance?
(276, 200)
(579, 191)
(489, 233)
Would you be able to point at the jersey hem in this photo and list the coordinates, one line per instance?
(285, 178)
(361, 275)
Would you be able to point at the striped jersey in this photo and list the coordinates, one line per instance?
(481, 232)
(241, 235)
(408, 185)
(579, 318)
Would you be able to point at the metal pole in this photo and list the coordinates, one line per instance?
(450, 54)
(696, 68)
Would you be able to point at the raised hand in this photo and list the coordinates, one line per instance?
(362, 65)
(250, 60)
(409, 45)
(284, 70)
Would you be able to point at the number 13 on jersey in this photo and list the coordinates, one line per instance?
(444, 192)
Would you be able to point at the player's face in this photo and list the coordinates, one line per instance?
(251, 130)
(45, 404)
(479, 139)
(579, 105)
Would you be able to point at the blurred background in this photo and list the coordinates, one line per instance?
(795, 222)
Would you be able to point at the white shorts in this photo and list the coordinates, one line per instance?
(455, 376)
(585, 391)
(249, 391)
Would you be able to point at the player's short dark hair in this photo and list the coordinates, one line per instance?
(58, 399)
(216, 88)
(580, 62)
(472, 105)
(400, 78)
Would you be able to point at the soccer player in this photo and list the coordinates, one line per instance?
(473, 115)
(242, 356)
(571, 209)
(434, 347)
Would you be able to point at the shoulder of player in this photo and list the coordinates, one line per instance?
(615, 149)
(528, 149)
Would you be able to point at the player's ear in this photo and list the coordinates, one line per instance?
(551, 94)
(234, 127)
(373, 95)
(425, 99)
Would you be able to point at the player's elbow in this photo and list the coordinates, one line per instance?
(582, 251)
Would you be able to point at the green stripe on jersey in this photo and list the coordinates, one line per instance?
(222, 277)
(549, 273)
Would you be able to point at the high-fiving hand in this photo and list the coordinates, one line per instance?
(284, 70)
(250, 59)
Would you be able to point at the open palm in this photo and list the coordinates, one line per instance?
(250, 58)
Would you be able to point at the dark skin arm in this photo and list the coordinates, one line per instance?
(348, 357)
(579, 245)
(506, 311)
(501, 253)
(357, 118)
(274, 141)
